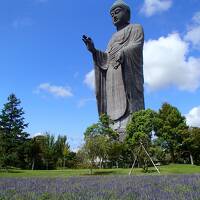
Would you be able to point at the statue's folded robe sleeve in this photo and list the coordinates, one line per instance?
(100, 63)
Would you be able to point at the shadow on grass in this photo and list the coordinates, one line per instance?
(152, 171)
(14, 172)
(10, 171)
(100, 173)
(104, 172)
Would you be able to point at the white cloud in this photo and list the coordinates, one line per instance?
(37, 134)
(83, 102)
(166, 64)
(196, 18)
(90, 80)
(193, 117)
(58, 91)
(193, 34)
(22, 22)
(152, 7)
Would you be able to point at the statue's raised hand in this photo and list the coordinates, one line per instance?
(89, 43)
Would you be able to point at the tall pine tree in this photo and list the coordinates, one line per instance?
(13, 137)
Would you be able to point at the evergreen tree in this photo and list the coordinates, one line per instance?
(13, 137)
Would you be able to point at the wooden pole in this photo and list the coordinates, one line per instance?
(133, 166)
(149, 157)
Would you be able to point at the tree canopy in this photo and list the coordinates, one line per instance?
(169, 126)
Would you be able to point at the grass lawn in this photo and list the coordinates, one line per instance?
(165, 170)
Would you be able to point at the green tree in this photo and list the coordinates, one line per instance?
(102, 128)
(49, 153)
(42, 152)
(71, 160)
(115, 153)
(96, 148)
(142, 121)
(191, 145)
(13, 136)
(139, 132)
(159, 153)
(98, 140)
(35, 152)
(2, 149)
(170, 125)
(62, 149)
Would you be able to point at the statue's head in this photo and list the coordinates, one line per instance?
(120, 13)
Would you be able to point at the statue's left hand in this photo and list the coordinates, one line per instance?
(89, 43)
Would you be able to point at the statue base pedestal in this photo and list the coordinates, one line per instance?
(120, 126)
(122, 134)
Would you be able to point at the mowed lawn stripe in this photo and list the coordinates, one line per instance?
(166, 169)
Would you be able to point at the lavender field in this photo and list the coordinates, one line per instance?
(170, 187)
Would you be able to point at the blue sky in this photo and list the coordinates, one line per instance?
(45, 63)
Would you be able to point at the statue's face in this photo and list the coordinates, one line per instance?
(119, 16)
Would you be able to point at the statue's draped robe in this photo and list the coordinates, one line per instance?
(119, 91)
